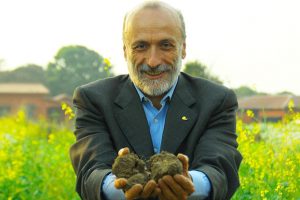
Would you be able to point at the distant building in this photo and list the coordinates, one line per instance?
(268, 107)
(33, 98)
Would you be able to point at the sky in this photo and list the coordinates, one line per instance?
(243, 42)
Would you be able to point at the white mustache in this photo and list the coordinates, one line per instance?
(158, 69)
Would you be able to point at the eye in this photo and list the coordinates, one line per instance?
(140, 46)
(166, 45)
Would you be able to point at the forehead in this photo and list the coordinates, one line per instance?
(158, 23)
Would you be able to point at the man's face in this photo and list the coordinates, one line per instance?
(154, 48)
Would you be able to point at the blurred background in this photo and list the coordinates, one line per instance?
(253, 43)
(48, 48)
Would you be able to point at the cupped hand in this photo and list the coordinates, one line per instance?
(137, 190)
(178, 187)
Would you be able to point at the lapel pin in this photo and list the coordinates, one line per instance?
(184, 118)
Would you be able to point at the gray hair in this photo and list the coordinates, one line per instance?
(153, 4)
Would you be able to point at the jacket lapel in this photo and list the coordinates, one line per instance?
(180, 118)
(132, 120)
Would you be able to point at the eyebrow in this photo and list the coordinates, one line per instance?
(160, 41)
(167, 40)
(138, 42)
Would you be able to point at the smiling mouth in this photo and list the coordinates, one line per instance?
(154, 74)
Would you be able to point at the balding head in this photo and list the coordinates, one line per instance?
(155, 5)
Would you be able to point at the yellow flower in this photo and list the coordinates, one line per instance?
(51, 138)
(263, 193)
(11, 174)
(291, 105)
(250, 113)
(3, 156)
(68, 110)
(107, 62)
(64, 106)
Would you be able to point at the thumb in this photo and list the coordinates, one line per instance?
(120, 183)
(123, 151)
(185, 164)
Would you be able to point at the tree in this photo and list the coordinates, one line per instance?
(286, 93)
(74, 66)
(197, 69)
(30, 73)
(245, 91)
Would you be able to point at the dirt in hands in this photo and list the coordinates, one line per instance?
(164, 164)
(132, 168)
(138, 171)
(128, 165)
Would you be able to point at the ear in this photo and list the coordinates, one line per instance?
(183, 52)
(124, 52)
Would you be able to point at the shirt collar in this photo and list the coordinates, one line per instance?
(168, 95)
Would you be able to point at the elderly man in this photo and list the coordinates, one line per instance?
(156, 108)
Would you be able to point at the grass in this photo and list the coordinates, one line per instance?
(35, 164)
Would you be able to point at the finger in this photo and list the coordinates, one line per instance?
(134, 192)
(185, 163)
(123, 151)
(175, 187)
(166, 192)
(156, 192)
(120, 183)
(149, 189)
(185, 183)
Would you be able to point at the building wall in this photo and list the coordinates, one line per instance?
(36, 105)
(273, 115)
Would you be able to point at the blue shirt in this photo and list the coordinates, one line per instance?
(156, 121)
(156, 118)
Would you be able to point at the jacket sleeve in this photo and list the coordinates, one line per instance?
(93, 153)
(216, 153)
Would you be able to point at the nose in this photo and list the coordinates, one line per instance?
(154, 57)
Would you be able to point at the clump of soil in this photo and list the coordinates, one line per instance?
(131, 167)
(164, 164)
(128, 165)
(139, 178)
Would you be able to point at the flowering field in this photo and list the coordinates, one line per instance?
(34, 160)
(271, 151)
(35, 164)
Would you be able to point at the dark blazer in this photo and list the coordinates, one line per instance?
(110, 116)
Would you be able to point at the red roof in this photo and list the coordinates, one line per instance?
(267, 102)
(23, 88)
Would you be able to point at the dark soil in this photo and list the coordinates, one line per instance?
(164, 164)
(131, 167)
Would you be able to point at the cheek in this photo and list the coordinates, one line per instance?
(171, 57)
(133, 62)
(137, 58)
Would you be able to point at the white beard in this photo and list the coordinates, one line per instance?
(154, 87)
